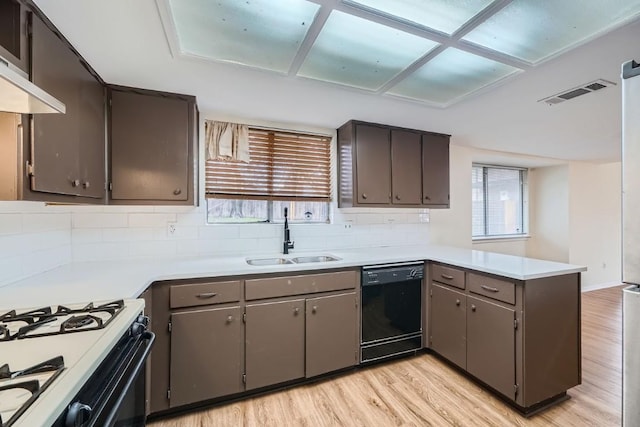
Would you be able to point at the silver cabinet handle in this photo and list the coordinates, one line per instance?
(457, 302)
(314, 309)
(177, 191)
(489, 288)
(397, 197)
(75, 182)
(473, 307)
(446, 276)
(207, 295)
(364, 196)
(296, 311)
(427, 198)
(85, 184)
(229, 319)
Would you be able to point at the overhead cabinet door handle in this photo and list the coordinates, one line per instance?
(207, 295)
(446, 276)
(489, 288)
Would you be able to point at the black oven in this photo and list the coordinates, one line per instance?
(114, 395)
(391, 310)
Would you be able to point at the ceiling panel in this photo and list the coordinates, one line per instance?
(355, 52)
(257, 33)
(441, 15)
(535, 29)
(450, 75)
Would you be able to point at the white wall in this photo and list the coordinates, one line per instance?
(516, 247)
(453, 226)
(577, 219)
(549, 221)
(595, 212)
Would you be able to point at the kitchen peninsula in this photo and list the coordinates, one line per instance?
(497, 289)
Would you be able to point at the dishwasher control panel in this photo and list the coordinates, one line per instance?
(379, 275)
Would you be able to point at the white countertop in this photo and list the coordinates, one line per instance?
(92, 281)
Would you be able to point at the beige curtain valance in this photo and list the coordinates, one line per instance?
(226, 141)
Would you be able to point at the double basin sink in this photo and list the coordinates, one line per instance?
(295, 260)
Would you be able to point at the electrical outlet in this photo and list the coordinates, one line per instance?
(347, 226)
(171, 228)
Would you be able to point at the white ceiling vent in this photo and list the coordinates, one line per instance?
(577, 91)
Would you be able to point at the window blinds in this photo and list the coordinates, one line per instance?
(284, 166)
(497, 201)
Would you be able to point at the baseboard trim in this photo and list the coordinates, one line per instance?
(597, 286)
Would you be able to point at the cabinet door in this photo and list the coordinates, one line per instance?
(13, 34)
(491, 345)
(435, 170)
(406, 168)
(274, 334)
(205, 355)
(67, 149)
(448, 324)
(373, 165)
(150, 145)
(331, 341)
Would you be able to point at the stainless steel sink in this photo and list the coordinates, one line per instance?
(296, 260)
(269, 261)
(318, 258)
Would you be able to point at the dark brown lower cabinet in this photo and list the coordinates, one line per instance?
(520, 337)
(206, 350)
(449, 324)
(274, 343)
(331, 339)
(491, 345)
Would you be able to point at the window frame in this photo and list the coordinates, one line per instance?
(271, 200)
(270, 214)
(524, 201)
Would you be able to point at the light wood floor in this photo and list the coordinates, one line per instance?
(423, 391)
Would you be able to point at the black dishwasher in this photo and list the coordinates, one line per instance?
(391, 316)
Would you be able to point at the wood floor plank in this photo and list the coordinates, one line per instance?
(425, 391)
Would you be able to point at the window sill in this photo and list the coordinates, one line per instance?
(509, 238)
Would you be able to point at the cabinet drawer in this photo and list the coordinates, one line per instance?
(204, 294)
(273, 287)
(448, 275)
(499, 289)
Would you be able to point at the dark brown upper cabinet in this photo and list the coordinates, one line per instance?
(435, 170)
(385, 166)
(67, 150)
(14, 46)
(406, 170)
(374, 170)
(53, 157)
(152, 140)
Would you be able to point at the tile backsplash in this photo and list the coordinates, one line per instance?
(35, 238)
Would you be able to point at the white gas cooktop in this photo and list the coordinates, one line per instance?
(87, 339)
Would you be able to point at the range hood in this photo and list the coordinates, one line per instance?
(19, 95)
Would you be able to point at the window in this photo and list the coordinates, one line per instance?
(287, 169)
(498, 198)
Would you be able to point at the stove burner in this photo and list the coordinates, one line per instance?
(23, 331)
(88, 317)
(46, 366)
(33, 386)
(75, 322)
(8, 315)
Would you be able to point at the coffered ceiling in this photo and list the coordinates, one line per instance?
(436, 51)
